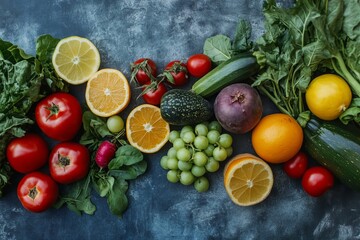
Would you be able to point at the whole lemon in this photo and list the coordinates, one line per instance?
(328, 96)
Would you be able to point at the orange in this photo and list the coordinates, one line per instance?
(146, 129)
(75, 59)
(328, 96)
(248, 180)
(277, 138)
(107, 92)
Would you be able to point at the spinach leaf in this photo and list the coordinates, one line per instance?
(130, 172)
(125, 155)
(218, 48)
(242, 41)
(78, 197)
(116, 198)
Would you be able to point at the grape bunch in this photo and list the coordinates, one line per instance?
(195, 151)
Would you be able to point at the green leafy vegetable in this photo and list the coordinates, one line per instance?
(22, 83)
(220, 48)
(110, 183)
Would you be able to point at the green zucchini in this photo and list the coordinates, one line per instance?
(183, 107)
(236, 69)
(335, 146)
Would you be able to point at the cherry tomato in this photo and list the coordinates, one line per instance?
(317, 180)
(37, 191)
(142, 70)
(27, 153)
(296, 166)
(59, 116)
(176, 73)
(199, 65)
(69, 162)
(153, 96)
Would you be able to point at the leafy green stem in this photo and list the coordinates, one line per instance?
(344, 72)
(273, 99)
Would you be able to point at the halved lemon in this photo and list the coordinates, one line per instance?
(107, 92)
(146, 129)
(75, 59)
(248, 179)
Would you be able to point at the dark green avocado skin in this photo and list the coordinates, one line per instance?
(183, 107)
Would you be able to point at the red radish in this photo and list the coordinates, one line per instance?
(105, 153)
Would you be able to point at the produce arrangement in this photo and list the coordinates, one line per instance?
(306, 63)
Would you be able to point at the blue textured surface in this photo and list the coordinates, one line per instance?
(164, 31)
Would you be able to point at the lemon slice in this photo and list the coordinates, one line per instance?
(248, 179)
(146, 129)
(107, 92)
(75, 59)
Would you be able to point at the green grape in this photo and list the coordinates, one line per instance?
(212, 165)
(163, 162)
(200, 159)
(171, 152)
(186, 178)
(188, 137)
(213, 136)
(219, 154)
(186, 129)
(183, 154)
(215, 125)
(201, 142)
(198, 171)
(172, 163)
(184, 166)
(178, 144)
(225, 140)
(115, 124)
(202, 184)
(229, 151)
(201, 129)
(172, 176)
(173, 135)
(209, 150)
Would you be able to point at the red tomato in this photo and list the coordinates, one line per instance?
(296, 166)
(59, 116)
(153, 96)
(317, 180)
(142, 70)
(199, 65)
(69, 162)
(37, 191)
(176, 73)
(27, 153)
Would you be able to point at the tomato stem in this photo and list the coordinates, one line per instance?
(63, 160)
(33, 193)
(53, 109)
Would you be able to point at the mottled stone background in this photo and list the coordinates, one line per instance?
(166, 30)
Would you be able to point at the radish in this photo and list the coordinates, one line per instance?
(105, 153)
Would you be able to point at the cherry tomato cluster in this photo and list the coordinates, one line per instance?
(315, 180)
(175, 74)
(59, 116)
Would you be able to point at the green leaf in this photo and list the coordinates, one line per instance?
(351, 22)
(242, 42)
(218, 48)
(12, 53)
(130, 172)
(45, 46)
(125, 155)
(103, 184)
(116, 199)
(352, 113)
